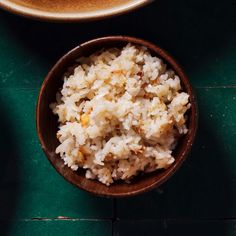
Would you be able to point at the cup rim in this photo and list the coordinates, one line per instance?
(167, 58)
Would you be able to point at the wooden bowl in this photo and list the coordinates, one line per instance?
(70, 10)
(47, 124)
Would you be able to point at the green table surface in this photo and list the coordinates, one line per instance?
(198, 200)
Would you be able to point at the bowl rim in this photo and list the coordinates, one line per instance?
(178, 70)
(71, 16)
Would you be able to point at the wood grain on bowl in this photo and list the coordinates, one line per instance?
(70, 5)
(47, 124)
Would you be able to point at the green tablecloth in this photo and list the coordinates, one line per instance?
(198, 200)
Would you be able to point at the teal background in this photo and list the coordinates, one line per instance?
(198, 200)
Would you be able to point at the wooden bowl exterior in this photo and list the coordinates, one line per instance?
(47, 124)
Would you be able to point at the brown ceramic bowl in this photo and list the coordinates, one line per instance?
(47, 124)
(70, 10)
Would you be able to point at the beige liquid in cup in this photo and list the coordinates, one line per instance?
(71, 5)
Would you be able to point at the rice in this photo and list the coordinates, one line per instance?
(120, 113)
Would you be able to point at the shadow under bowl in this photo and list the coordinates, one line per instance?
(47, 123)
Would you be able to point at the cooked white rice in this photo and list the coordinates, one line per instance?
(120, 113)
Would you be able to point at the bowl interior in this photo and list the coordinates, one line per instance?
(47, 124)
